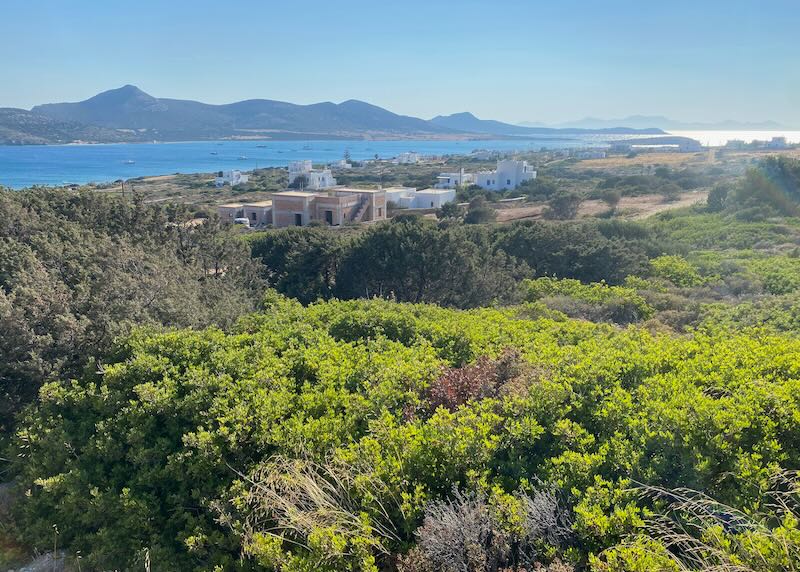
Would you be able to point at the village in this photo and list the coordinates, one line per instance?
(314, 195)
(515, 184)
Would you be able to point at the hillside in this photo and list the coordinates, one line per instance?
(21, 127)
(468, 122)
(173, 119)
(128, 114)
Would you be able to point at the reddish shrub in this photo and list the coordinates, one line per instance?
(456, 386)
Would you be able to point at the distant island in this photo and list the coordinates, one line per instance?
(128, 114)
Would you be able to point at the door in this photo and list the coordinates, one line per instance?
(329, 217)
(298, 219)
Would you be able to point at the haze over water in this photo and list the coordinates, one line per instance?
(719, 138)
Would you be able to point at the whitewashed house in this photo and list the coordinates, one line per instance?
(453, 180)
(316, 179)
(410, 198)
(231, 178)
(778, 143)
(341, 164)
(408, 158)
(509, 175)
(433, 198)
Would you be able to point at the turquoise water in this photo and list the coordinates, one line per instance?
(60, 164)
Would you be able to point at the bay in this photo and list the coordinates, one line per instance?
(24, 166)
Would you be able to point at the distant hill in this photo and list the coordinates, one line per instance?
(468, 122)
(128, 114)
(173, 119)
(21, 127)
(665, 123)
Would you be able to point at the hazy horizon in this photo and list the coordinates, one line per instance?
(510, 60)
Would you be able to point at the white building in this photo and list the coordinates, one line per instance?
(231, 178)
(736, 144)
(433, 198)
(341, 164)
(408, 158)
(410, 198)
(778, 143)
(508, 175)
(316, 179)
(453, 180)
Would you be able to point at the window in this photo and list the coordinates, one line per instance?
(380, 212)
(508, 182)
(431, 204)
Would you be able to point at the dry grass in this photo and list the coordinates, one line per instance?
(629, 208)
(291, 499)
(645, 159)
(701, 534)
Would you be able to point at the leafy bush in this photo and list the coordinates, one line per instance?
(620, 304)
(780, 274)
(563, 205)
(201, 419)
(78, 270)
(677, 270)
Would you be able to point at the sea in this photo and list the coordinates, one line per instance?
(25, 166)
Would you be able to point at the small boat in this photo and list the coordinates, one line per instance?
(130, 162)
(242, 158)
(214, 153)
(261, 146)
(306, 147)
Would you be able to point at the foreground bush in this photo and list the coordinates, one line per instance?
(180, 447)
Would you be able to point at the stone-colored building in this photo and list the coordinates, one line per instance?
(259, 213)
(230, 211)
(334, 208)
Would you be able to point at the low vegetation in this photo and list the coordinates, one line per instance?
(413, 396)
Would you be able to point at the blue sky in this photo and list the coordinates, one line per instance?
(514, 60)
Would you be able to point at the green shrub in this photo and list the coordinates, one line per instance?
(618, 304)
(677, 270)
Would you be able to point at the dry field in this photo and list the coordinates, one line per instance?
(630, 208)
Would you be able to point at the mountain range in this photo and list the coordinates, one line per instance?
(128, 114)
(469, 123)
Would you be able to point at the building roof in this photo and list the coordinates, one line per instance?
(435, 191)
(304, 194)
(352, 190)
(258, 204)
(231, 206)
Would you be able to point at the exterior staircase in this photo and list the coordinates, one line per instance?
(361, 210)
